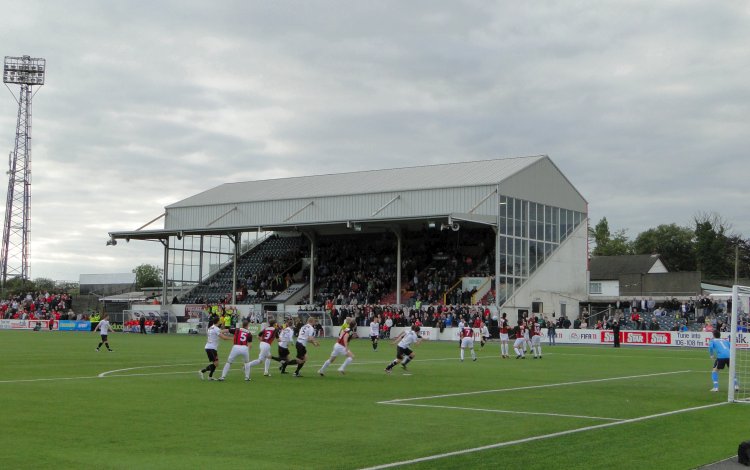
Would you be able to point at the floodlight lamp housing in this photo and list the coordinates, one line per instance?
(24, 70)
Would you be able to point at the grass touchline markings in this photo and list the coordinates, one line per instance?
(111, 373)
(530, 387)
(541, 437)
(106, 373)
(505, 411)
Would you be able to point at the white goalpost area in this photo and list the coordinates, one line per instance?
(739, 356)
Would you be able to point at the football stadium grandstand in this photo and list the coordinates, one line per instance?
(510, 232)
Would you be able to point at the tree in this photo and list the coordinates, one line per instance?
(672, 242)
(608, 244)
(740, 252)
(44, 284)
(147, 275)
(713, 253)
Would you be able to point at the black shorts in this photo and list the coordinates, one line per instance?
(283, 352)
(401, 352)
(373, 337)
(720, 363)
(213, 355)
(104, 338)
(301, 350)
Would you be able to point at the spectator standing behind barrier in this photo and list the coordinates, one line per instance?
(616, 333)
(142, 324)
(551, 332)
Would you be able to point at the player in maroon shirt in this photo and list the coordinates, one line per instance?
(267, 335)
(467, 341)
(241, 340)
(504, 331)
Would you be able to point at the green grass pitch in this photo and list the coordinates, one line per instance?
(144, 406)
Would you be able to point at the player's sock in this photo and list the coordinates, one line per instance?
(100, 345)
(346, 363)
(391, 365)
(225, 371)
(715, 378)
(211, 369)
(247, 369)
(473, 354)
(107, 345)
(325, 365)
(254, 362)
(406, 361)
(299, 366)
(462, 354)
(267, 366)
(375, 345)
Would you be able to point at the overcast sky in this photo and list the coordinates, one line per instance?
(644, 105)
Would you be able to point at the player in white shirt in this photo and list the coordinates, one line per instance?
(213, 334)
(341, 348)
(527, 337)
(104, 328)
(306, 333)
(286, 336)
(484, 333)
(403, 349)
(536, 338)
(375, 332)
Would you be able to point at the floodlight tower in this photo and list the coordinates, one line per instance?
(14, 253)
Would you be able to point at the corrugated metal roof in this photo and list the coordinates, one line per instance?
(373, 181)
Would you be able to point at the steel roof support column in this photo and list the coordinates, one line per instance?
(235, 237)
(497, 253)
(398, 268)
(311, 237)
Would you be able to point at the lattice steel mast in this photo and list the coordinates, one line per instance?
(14, 257)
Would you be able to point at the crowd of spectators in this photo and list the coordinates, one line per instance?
(353, 271)
(37, 306)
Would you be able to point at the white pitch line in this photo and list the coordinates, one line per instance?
(538, 438)
(106, 373)
(506, 411)
(530, 387)
(50, 379)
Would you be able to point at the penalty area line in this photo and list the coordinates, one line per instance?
(531, 387)
(505, 411)
(541, 437)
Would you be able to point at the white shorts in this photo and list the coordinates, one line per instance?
(467, 342)
(338, 350)
(504, 337)
(519, 343)
(536, 340)
(242, 351)
(264, 350)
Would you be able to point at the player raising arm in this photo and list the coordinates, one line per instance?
(285, 337)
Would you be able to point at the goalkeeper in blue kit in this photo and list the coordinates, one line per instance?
(718, 349)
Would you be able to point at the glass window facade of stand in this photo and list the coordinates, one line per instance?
(529, 234)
